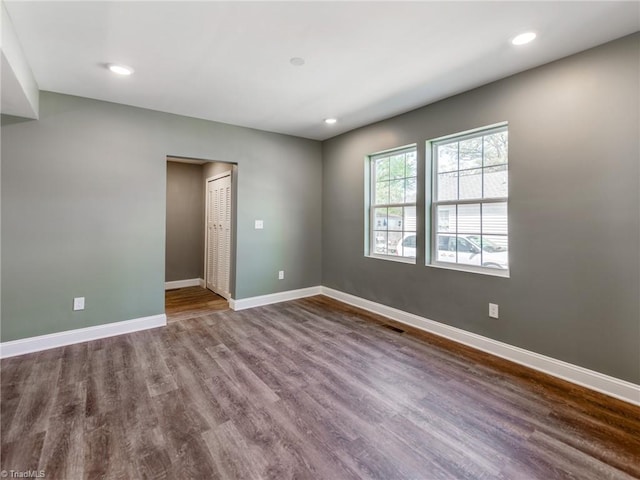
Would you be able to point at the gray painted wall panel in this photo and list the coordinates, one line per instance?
(184, 253)
(83, 211)
(574, 213)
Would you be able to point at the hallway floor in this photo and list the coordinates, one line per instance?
(189, 302)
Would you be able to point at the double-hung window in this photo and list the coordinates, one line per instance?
(469, 222)
(392, 204)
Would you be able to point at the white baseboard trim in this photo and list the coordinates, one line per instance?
(252, 302)
(191, 282)
(599, 382)
(60, 339)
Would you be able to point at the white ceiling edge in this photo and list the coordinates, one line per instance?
(20, 95)
(235, 71)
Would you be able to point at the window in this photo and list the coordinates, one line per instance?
(392, 211)
(469, 219)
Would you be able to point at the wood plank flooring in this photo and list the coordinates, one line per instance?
(190, 302)
(308, 389)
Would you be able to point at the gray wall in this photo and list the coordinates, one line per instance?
(574, 213)
(83, 211)
(184, 253)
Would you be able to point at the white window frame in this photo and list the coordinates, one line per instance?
(371, 205)
(432, 233)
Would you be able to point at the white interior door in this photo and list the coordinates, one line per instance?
(218, 254)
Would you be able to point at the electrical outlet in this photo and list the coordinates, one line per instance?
(281, 275)
(78, 303)
(493, 310)
(259, 225)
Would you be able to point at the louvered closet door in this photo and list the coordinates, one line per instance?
(219, 235)
(212, 242)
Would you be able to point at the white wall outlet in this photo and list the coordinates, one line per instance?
(78, 303)
(281, 275)
(259, 224)
(493, 310)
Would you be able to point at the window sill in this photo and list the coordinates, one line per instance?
(494, 272)
(393, 258)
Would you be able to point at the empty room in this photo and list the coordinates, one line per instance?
(320, 240)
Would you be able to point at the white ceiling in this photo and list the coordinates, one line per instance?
(365, 61)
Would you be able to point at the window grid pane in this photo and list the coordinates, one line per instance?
(381, 196)
(447, 186)
(396, 191)
(495, 182)
(470, 184)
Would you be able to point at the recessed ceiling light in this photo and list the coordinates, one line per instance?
(330, 121)
(120, 69)
(523, 38)
(296, 61)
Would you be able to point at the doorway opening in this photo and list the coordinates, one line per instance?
(200, 237)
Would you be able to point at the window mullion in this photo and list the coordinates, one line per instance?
(394, 205)
(472, 201)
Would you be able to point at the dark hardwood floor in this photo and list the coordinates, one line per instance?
(190, 302)
(308, 389)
